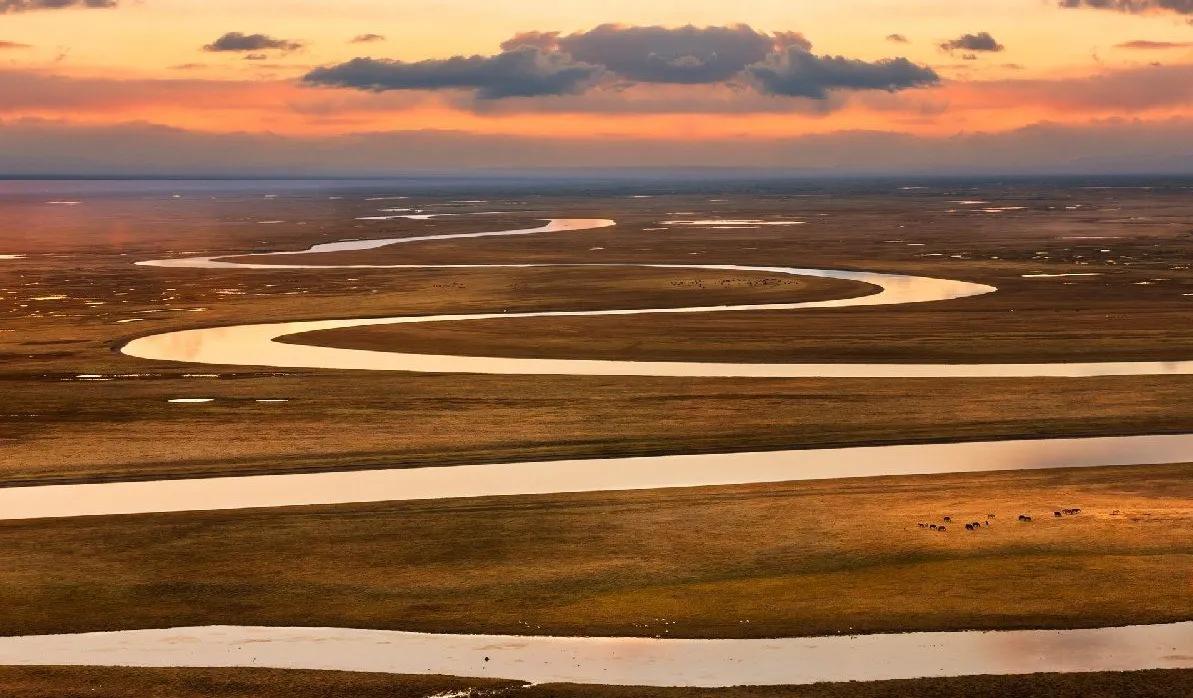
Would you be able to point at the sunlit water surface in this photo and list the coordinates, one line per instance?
(620, 661)
(624, 661)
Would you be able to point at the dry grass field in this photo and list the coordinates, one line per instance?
(811, 558)
(808, 558)
(57, 427)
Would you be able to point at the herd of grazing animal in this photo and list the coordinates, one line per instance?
(978, 525)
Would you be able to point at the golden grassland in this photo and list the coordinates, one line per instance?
(792, 559)
(56, 427)
(805, 558)
(68, 430)
(1126, 301)
(61, 682)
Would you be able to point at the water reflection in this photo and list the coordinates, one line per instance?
(552, 226)
(255, 345)
(592, 475)
(624, 661)
(617, 661)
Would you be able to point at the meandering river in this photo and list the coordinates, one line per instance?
(624, 661)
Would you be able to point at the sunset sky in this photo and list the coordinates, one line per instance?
(377, 86)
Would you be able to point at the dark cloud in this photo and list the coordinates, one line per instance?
(982, 41)
(14, 6)
(366, 38)
(236, 41)
(797, 73)
(897, 38)
(687, 55)
(12, 45)
(523, 71)
(1145, 45)
(681, 55)
(653, 98)
(537, 63)
(1180, 7)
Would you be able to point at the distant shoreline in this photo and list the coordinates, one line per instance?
(686, 174)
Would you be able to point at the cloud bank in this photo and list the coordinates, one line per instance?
(1180, 7)
(797, 73)
(15, 6)
(524, 71)
(538, 63)
(687, 55)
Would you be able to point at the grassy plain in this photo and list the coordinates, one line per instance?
(792, 559)
(55, 426)
(57, 682)
(808, 558)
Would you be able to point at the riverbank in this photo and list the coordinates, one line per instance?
(795, 559)
(86, 682)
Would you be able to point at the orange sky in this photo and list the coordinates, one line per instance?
(143, 62)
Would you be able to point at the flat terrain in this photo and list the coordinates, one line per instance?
(1074, 285)
(54, 682)
(811, 558)
(65, 308)
(828, 557)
